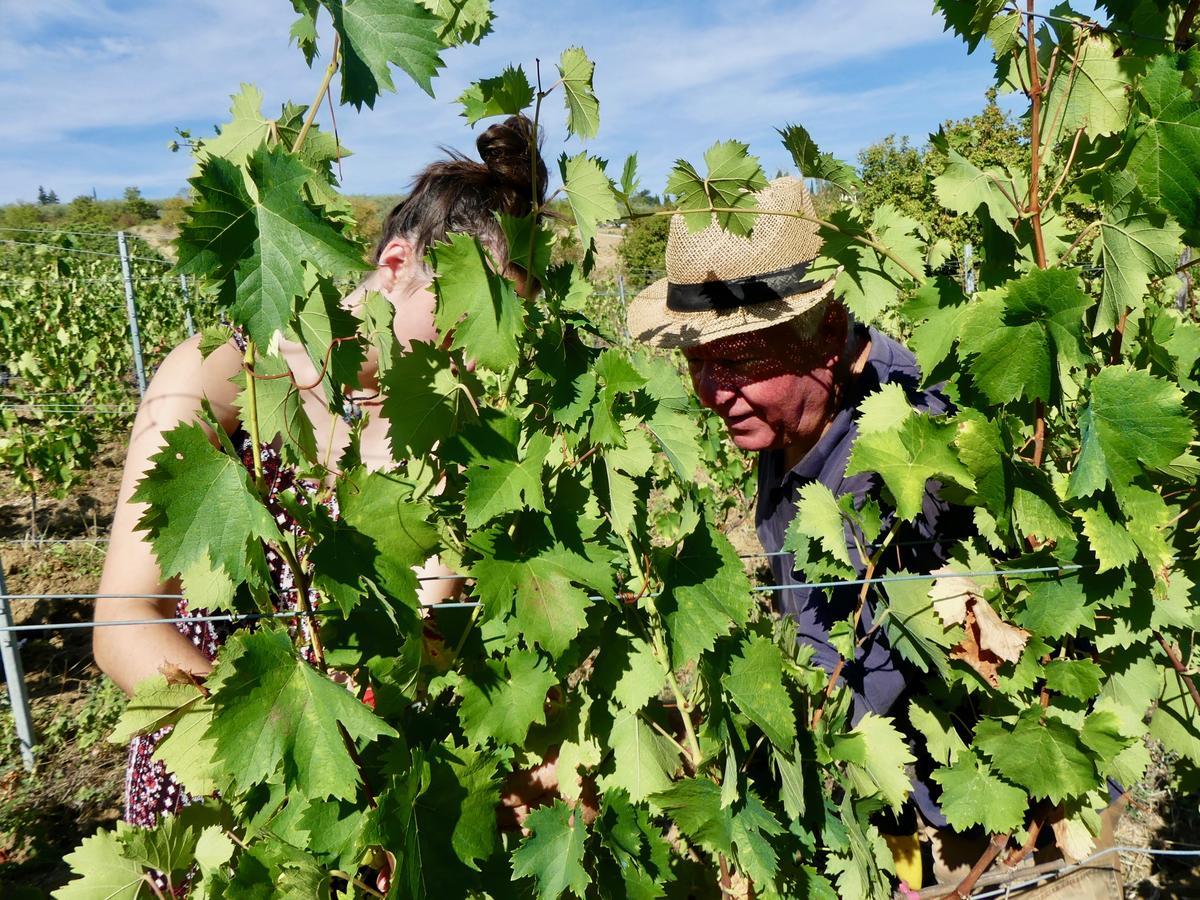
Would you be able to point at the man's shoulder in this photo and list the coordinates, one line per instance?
(892, 362)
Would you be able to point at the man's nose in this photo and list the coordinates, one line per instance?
(713, 392)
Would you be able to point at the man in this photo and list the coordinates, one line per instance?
(778, 358)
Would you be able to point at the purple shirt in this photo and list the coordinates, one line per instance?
(878, 678)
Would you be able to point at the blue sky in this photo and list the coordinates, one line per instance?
(92, 90)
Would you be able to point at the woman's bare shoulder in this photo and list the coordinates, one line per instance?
(187, 377)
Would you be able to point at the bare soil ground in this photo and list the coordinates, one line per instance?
(77, 783)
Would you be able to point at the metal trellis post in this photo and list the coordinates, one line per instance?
(187, 306)
(139, 368)
(14, 675)
(968, 267)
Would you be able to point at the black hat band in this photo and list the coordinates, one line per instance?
(711, 296)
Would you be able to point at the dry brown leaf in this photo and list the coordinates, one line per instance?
(986, 663)
(1001, 638)
(1073, 839)
(951, 595)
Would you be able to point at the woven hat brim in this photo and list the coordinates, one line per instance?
(651, 321)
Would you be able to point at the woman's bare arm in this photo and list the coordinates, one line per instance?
(131, 653)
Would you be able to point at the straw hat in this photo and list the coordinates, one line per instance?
(720, 284)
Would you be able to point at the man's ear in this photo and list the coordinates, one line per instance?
(395, 262)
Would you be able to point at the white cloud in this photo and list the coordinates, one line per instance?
(93, 91)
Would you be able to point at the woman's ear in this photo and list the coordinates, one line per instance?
(395, 263)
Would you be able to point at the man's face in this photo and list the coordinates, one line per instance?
(772, 388)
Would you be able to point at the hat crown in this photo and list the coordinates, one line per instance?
(775, 243)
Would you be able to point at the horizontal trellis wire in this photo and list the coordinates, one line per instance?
(468, 604)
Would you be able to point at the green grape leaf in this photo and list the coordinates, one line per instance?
(505, 697)
(941, 738)
(397, 529)
(694, 804)
(328, 332)
(1078, 678)
(1025, 340)
(1040, 754)
(517, 235)
(1095, 96)
(425, 400)
(755, 684)
(970, 19)
(643, 762)
(575, 72)
(106, 872)
(499, 486)
(705, 593)
(914, 628)
(376, 33)
(464, 21)
(187, 751)
(274, 711)
(1137, 242)
(550, 608)
(1166, 156)
(280, 410)
(263, 243)
(906, 456)
(1176, 720)
(973, 795)
(643, 680)
(474, 836)
(867, 279)
(589, 194)
(240, 136)
(203, 508)
(169, 847)
(940, 307)
(733, 178)
(1102, 732)
(476, 307)
(819, 518)
(963, 188)
(1132, 420)
(1055, 607)
(812, 163)
(876, 754)
(553, 853)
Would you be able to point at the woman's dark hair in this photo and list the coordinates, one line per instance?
(461, 195)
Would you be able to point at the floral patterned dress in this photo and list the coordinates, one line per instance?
(151, 790)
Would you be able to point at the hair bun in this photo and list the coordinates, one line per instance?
(504, 149)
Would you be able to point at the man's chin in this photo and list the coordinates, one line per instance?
(753, 442)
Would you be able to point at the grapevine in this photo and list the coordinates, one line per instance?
(693, 741)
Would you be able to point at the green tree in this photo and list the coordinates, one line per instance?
(895, 172)
(643, 249)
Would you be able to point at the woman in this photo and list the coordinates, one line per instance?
(451, 195)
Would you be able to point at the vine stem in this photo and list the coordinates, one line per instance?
(252, 412)
(658, 645)
(534, 206)
(1066, 168)
(858, 611)
(316, 104)
(788, 214)
(995, 845)
(1035, 204)
(1182, 32)
(1018, 854)
(1180, 668)
(1035, 148)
